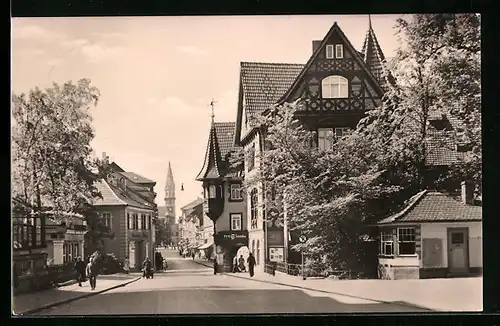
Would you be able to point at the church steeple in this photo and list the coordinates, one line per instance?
(374, 57)
(170, 193)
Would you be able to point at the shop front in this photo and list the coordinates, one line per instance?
(227, 244)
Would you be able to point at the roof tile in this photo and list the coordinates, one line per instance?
(429, 206)
(265, 83)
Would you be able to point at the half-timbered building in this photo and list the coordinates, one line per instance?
(337, 85)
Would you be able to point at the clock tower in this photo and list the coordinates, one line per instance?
(170, 196)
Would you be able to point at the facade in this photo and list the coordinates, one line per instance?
(338, 85)
(189, 224)
(224, 201)
(127, 208)
(435, 235)
(65, 240)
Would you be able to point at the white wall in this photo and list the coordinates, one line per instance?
(439, 231)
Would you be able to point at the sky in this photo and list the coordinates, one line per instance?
(157, 76)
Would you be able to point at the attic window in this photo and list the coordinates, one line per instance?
(329, 51)
(339, 51)
(334, 87)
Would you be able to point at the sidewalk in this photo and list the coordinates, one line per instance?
(30, 303)
(449, 294)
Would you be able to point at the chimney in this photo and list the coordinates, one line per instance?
(316, 45)
(467, 192)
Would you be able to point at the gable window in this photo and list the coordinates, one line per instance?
(325, 138)
(386, 244)
(406, 241)
(329, 51)
(236, 222)
(342, 131)
(212, 192)
(339, 51)
(334, 87)
(107, 220)
(253, 209)
(235, 191)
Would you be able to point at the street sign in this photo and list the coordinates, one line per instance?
(302, 238)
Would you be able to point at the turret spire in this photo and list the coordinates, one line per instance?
(212, 104)
(370, 22)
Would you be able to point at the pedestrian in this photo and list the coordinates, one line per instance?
(216, 266)
(251, 264)
(241, 264)
(126, 265)
(192, 255)
(146, 267)
(92, 272)
(80, 270)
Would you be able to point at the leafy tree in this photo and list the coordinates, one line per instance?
(51, 152)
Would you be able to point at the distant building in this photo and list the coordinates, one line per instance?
(435, 235)
(189, 222)
(167, 213)
(126, 209)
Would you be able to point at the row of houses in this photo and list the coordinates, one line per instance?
(435, 235)
(125, 213)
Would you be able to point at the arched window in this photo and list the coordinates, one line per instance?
(253, 208)
(258, 252)
(212, 191)
(334, 87)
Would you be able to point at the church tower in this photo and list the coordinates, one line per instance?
(170, 195)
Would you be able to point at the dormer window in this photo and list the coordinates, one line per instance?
(212, 192)
(334, 87)
(339, 51)
(329, 51)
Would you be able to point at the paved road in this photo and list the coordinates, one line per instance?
(189, 288)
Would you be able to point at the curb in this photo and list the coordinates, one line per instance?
(85, 295)
(203, 264)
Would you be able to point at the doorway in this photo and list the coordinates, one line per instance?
(458, 250)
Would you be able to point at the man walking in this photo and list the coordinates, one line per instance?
(80, 270)
(251, 264)
(92, 271)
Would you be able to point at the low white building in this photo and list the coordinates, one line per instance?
(435, 235)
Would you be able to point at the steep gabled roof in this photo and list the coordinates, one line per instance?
(225, 137)
(264, 83)
(114, 196)
(334, 29)
(136, 178)
(428, 206)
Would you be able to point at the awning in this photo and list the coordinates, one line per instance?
(206, 245)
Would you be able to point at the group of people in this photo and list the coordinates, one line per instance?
(239, 264)
(89, 270)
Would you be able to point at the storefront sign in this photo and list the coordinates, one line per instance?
(232, 237)
(276, 254)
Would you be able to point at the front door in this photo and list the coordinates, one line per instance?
(458, 250)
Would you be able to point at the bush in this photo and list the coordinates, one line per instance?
(110, 264)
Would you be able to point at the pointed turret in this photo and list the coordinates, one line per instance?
(170, 177)
(374, 57)
(212, 167)
(170, 193)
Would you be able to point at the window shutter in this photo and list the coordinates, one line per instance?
(130, 222)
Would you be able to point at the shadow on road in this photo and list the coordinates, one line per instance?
(221, 300)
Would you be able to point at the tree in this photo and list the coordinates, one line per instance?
(51, 152)
(326, 191)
